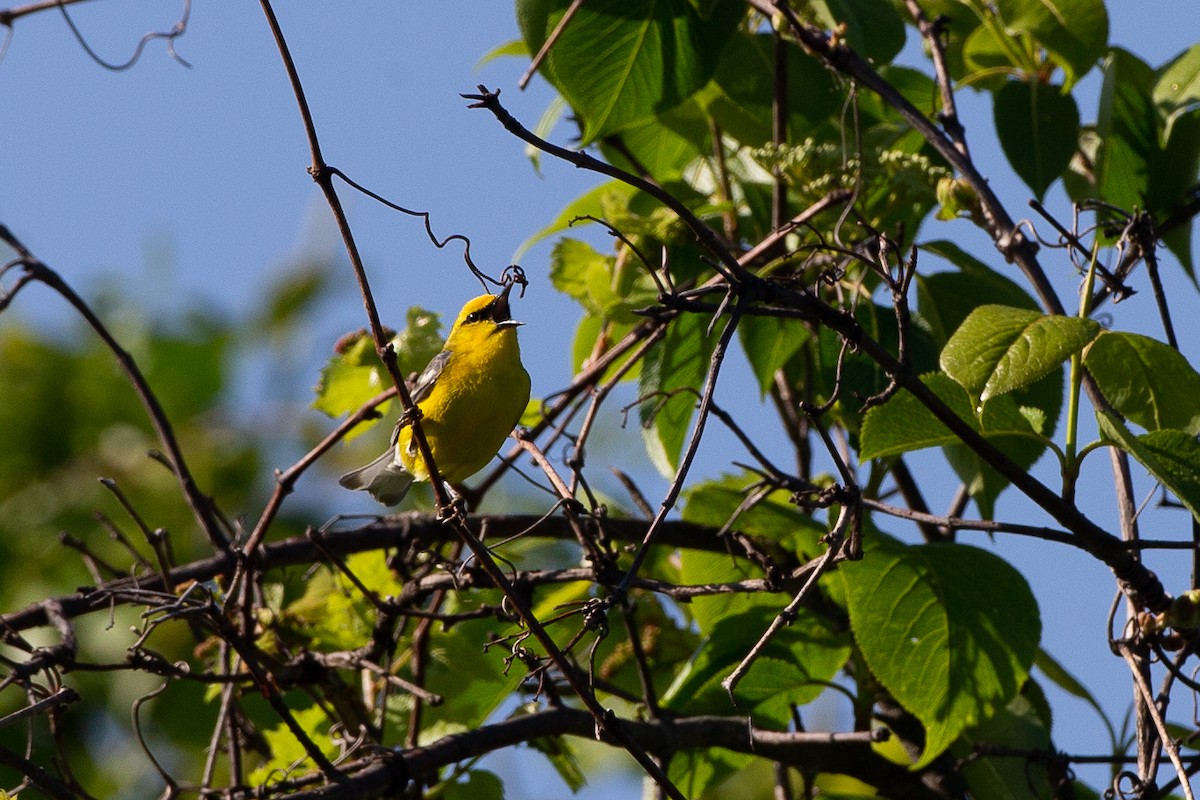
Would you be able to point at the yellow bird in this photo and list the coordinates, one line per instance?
(471, 396)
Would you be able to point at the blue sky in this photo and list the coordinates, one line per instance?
(116, 173)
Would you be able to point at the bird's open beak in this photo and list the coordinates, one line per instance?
(501, 313)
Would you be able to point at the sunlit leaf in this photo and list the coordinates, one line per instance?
(950, 631)
(999, 348)
(621, 62)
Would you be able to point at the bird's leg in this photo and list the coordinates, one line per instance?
(455, 509)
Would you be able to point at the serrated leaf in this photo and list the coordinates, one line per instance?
(609, 287)
(999, 348)
(903, 423)
(1148, 382)
(672, 375)
(348, 380)
(1173, 457)
(949, 630)
(622, 62)
(354, 374)
(1038, 126)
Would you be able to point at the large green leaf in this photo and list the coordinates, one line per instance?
(1127, 129)
(903, 423)
(1148, 382)
(1074, 32)
(1173, 457)
(949, 630)
(1177, 89)
(999, 348)
(672, 376)
(622, 62)
(1038, 126)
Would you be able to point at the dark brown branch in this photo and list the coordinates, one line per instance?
(845, 753)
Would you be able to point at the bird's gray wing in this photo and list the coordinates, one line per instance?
(429, 376)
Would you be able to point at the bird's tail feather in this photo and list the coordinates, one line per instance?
(386, 480)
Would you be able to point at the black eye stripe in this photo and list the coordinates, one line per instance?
(483, 313)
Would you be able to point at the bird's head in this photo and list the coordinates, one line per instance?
(487, 312)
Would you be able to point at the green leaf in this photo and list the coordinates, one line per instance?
(672, 374)
(606, 286)
(479, 785)
(949, 630)
(873, 28)
(590, 203)
(1016, 726)
(469, 679)
(1177, 89)
(1127, 130)
(903, 423)
(946, 298)
(696, 771)
(622, 62)
(1038, 406)
(769, 342)
(350, 378)
(354, 374)
(999, 348)
(1173, 176)
(515, 47)
(286, 750)
(1074, 32)
(773, 521)
(664, 146)
(1148, 382)
(1038, 126)
(794, 668)
(742, 93)
(1173, 457)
